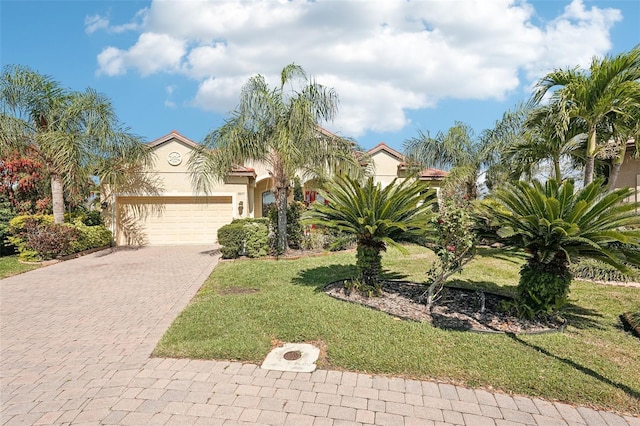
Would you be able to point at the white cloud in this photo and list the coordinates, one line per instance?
(95, 23)
(98, 22)
(383, 57)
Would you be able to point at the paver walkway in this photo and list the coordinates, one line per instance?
(76, 339)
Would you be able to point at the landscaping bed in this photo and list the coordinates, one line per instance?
(456, 309)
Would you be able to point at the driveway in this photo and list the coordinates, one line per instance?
(79, 329)
(75, 340)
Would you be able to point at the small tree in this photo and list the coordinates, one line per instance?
(376, 216)
(555, 225)
(454, 245)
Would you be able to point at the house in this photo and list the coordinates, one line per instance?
(629, 174)
(178, 215)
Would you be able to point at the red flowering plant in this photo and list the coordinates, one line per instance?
(23, 184)
(454, 244)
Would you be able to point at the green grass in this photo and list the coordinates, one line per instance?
(9, 265)
(594, 362)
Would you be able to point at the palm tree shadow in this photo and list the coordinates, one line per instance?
(581, 317)
(488, 286)
(321, 276)
(634, 393)
(506, 255)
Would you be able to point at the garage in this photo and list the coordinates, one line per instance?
(171, 220)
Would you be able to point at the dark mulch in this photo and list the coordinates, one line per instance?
(457, 308)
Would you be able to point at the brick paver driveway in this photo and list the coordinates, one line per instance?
(81, 329)
(76, 339)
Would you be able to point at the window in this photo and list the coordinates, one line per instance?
(268, 200)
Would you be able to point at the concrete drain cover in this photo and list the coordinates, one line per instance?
(297, 357)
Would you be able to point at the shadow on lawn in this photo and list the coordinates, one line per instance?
(503, 254)
(488, 286)
(321, 276)
(634, 393)
(581, 317)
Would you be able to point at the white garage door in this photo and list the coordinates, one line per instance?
(171, 220)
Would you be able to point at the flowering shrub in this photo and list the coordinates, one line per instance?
(454, 245)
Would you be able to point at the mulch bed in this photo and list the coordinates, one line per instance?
(457, 308)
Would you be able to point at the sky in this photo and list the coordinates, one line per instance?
(398, 66)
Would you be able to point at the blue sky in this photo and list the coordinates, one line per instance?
(398, 66)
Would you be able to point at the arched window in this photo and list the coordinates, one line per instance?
(268, 200)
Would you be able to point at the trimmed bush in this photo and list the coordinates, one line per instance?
(231, 239)
(91, 237)
(246, 236)
(256, 239)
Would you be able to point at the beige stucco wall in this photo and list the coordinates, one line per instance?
(630, 175)
(385, 166)
(175, 180)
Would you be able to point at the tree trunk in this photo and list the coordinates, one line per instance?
(613, 177)
(57, 198)
(556, 167)
(617, 164)
(281, 204)
(369, 261)
(591, 157)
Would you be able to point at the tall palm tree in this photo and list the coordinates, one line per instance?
(75, 135)
(611, 85)
(544, 139)
(622, 130)
(457, 150)
(376, 216)
(279, 128)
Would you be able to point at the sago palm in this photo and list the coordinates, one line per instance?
(376, 216)
(556, 224)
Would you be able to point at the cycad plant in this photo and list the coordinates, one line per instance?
(376, 216)
(555, 224)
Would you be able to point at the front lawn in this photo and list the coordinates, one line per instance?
(9, 265)
(244, 306)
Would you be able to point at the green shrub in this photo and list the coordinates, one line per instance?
(231, 240)
(87, 217)
(247, 236)
(39, 234)
(256, 241)
(91, 237)
(315, 239)
(37, 238)
(594, 270)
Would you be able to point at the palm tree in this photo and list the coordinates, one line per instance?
(622, 130)
(75, 135)
(556, 225)
(544, 139)
(376, 216)
(611, 85)
(279, 128)
(457, 150)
